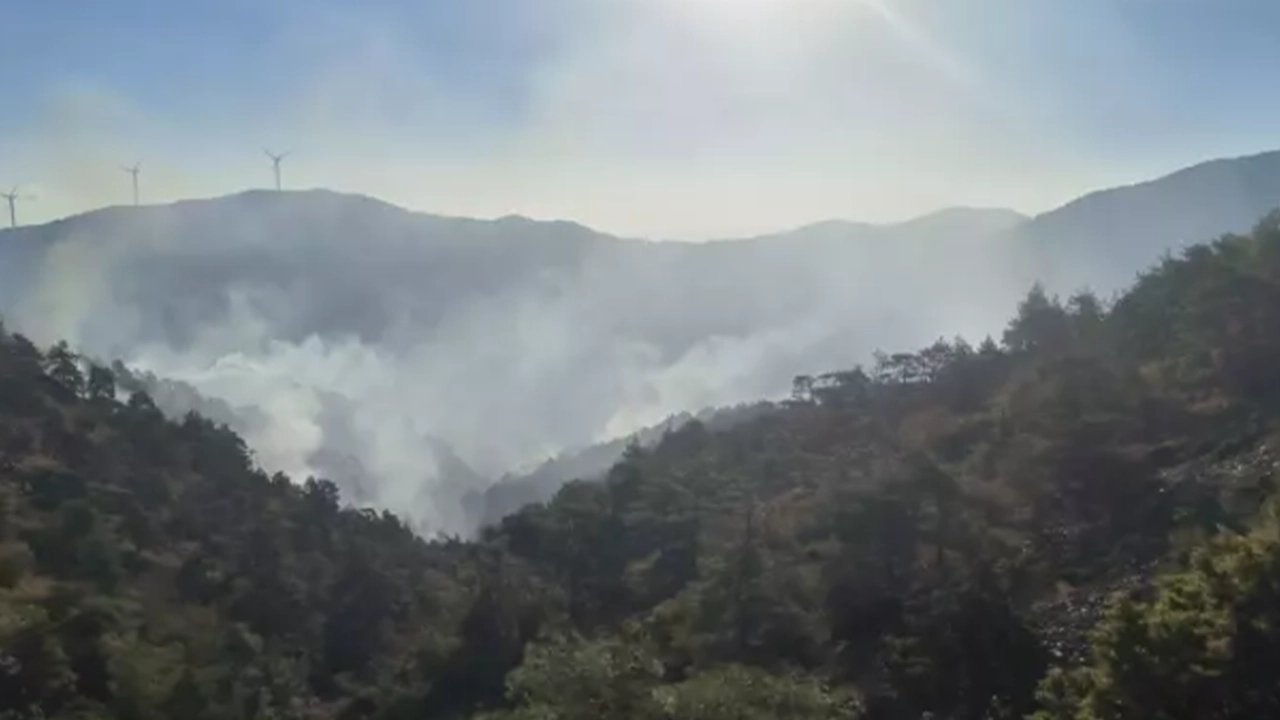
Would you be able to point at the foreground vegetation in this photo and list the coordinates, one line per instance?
(1072, 523)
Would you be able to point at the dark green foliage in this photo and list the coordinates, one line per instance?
(573, 679)
(100, 385)
(63, 368)
(494, 632)
(1205, 647)
(961, 656)
(148, 570)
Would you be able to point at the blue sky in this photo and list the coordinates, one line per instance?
(688, 118)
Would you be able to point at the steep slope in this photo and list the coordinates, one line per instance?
(514, 491)
(937, 530)
(148, 570)
(1104, 238)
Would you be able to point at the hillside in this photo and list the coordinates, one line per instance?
(514, 491)
(930, 534)
(1102, 240)
(406, 355)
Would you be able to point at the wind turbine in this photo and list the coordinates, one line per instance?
(137, 168)
(12, 196)
(275, 164)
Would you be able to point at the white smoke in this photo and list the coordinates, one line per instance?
(661, 117)
(617, 337)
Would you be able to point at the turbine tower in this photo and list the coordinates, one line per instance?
(275, 164)
(12, 196)
(137, 168)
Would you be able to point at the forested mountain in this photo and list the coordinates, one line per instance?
(406, 356)
(934, 534)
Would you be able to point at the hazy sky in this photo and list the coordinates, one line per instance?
(672, 118)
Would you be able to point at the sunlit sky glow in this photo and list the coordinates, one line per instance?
(667, 118)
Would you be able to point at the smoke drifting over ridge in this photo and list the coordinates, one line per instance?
(411, 358)
(414, 358)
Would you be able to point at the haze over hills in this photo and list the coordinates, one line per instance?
(1104, 237)
(513, 491)
(1042, 528)
(413, 357)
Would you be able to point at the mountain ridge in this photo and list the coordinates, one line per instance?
(1131, 225)
(258, 198)
(1173, 175)
(259, 195)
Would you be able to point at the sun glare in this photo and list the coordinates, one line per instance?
(773, 17)
(753, 25)
(750, 21)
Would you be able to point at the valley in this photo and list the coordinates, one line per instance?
(416, 359)
(1055, 526)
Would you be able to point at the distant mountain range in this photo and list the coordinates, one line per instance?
(389, 349)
